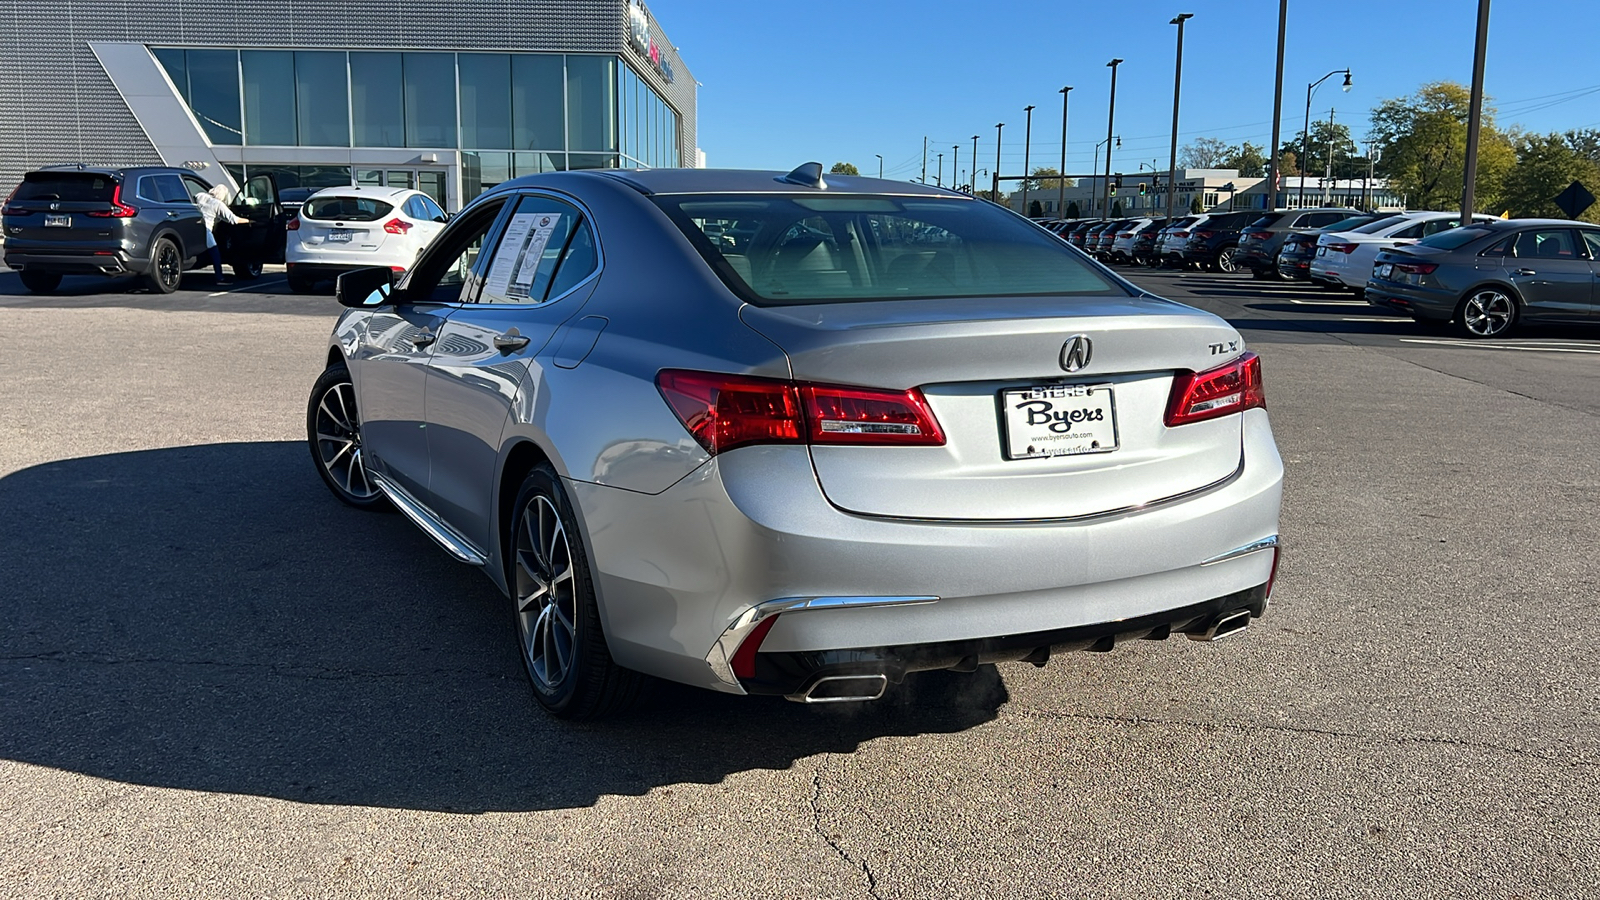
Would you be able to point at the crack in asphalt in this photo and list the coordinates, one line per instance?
(816, 825)
(1568, 760)
(309, 672)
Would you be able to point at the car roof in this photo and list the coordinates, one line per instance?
(743, 181)
(362, 190)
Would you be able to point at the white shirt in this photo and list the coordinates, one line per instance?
(210, 209)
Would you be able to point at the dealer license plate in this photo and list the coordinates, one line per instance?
(340, 237)
(57, 221)
(1059, 420)
(1384, 270)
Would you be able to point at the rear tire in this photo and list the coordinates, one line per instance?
(247, 271)
(40, 282)
(1224, 262)
(301, 284)
(166, 267)
(559, 635)
(1487, 312)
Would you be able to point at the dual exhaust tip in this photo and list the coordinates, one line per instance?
(1224, 625)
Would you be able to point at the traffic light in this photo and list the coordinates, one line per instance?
(1143, 188)
(1116, 182)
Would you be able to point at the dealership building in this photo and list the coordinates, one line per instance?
(446, 96)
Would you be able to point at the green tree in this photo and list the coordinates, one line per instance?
(1195, 206)
(1035, 209)
(1423, 139)
(1047, 178)
(1585, 142)
(1347, 161)
(1072, 210)
(844, 168)
(1249, 159)
(1546, 164)
(1116, 209)
(1288, 162)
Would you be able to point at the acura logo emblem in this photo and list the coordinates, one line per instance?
(55, 206)
(1075, 353)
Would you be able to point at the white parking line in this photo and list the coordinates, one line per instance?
(253, 284)
(1481, 345)
(1330, 302)
(1392, 320)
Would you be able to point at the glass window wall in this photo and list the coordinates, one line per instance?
(485, 100)
(430, 107)
(538, 111)
(591, 103)
(321, 80)
(377, 100)
(269, 109)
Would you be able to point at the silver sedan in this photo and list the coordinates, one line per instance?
(798, 435)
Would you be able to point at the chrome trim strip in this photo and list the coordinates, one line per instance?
(431, 525)
(720, 658)
(1266, 543)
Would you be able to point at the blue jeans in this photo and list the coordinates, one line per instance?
(216, 259)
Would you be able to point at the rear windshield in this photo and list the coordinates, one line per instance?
(1455, 237)
(347, 209)
(74, 187)
(778, 250)
(1379, 225)
(1267, 221)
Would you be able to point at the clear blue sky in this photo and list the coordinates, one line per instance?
(783, 83)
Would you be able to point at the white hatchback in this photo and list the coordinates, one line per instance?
(352, 227)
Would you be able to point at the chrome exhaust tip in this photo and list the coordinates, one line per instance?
(843, 689)
(1225, 624)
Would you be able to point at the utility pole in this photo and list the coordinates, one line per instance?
(1111, 121)
(1061, 183)
(938, 180)
(924, 178)
(1177, 86)
(1475, 115)
(974, 165)
(1273, 175)
(1027, 144)
(995, 193)
(1327, 177)
(955, 167)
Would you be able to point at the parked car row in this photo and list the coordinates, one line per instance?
(145, 221)
(1220, 241)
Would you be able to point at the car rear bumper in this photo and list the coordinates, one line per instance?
(1295, 269)
(1254, 256)
(74, 262)
(1416, 301)
(321, 271)
(677, 570)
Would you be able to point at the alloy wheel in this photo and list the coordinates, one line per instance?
(1488, 313)
(338, 429)
(1225, 261)
(547, 604)
(169, 268)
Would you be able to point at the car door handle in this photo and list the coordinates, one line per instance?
(1525, 272)
(510, 341)
(172, 214)
(422, 339)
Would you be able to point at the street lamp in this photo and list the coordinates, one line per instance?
(1111, 121)
(995, 195)
(880, 164)
(955, 167)
(1305, 136)
(938, 177)
(1177, 85)
(1273, 175)
(975, 166)
(1061, 183)
(1096, 168)
(1027, 144)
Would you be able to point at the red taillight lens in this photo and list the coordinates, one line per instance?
(727, 411)
(1341, 248)
(1222, 391)
(397, 226)
(1257, 235)
(7, 209)
(292, 225)
(842, 415)
(1205, 235)
(1125, 234)
(1416, 268)
(744, 658)
(1180, 234)
(118, 210)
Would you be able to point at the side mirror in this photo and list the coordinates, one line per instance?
(365, 288)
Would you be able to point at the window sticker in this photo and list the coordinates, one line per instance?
(521, 251)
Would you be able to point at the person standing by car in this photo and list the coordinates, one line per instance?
(213, 205)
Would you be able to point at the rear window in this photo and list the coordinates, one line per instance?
(346, 209)
(1266, 221)
(1455, 237)
(776, 250)
(1376, 226)
(73, 187)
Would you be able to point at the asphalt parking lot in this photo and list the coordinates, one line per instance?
(217, 681)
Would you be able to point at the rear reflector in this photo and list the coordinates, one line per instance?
(727, 411)
(1227, 389)
(744, 658)
(397, 226)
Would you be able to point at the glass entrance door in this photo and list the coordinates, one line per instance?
(428, 181)
(399, 178)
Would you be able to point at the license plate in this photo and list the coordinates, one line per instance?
(1059, 420)
(57, 221)
(340, 237)
(1384, 270)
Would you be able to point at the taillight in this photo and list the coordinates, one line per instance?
(727, 411)
(1257, 235)
(1222, 391)
(397, 226)
(8, 209)
(1125, 234)
(1341, 248)
(1416, 268)
(292, 225)
(1205, 235)
(118, 210)
(1180, 234)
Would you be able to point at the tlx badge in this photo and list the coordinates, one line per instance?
(1076, 352)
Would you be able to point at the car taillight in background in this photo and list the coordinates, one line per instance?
(8, 209)
(1257, 235)
(1227, 389)
(397, 226)
(1340, 248)
(118, 210)
(727, 411)
(292, 225)
(1205, 235)
(1178, 234)
(1416, 268)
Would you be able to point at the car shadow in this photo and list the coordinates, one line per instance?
(209, 618)
(199, 292)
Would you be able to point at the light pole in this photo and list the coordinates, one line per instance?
(1305, 136)
(1061, 183)
(974, 165)
(995, 192)
(1273, 175)
(1096, 167)
(924, 178)
(955, 167)
(1177, 85)
(1111, 122)
(938, 178)
(1475, 114)
(880, 164)
(1027, 144)
(1327, 176)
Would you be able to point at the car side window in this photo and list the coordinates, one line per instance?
(1437, 225)
(1592, 238)
(524, 264)
(148, 189)
(194, 187)
(579, 262)
(1409, 233)
(445, 272)
(1553, 243)
(431, 210)
(1499, 248)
